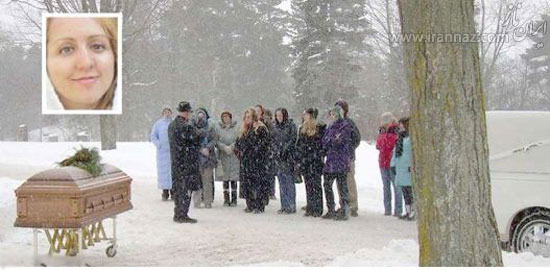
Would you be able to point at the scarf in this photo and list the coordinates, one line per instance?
(399, 145)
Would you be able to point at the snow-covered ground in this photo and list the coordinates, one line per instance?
(224, 236)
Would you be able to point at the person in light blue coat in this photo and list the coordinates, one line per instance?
(159, 137)
(401, 161)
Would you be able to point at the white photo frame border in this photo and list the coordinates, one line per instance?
(117, 100)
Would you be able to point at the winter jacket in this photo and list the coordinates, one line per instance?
(226, 138)
(403, 164)
(159, 137)
(284, 137)
(185, 143)
(270, 163)
(355, 137)
(208, 140)
(309, 154)
(337, 143)
(385, 143)
(251, 150)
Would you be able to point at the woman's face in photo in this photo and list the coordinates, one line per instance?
(80, 61)
(167, 113)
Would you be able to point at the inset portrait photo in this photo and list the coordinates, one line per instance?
(81, 63)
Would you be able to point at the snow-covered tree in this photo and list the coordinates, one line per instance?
(538, 60)
(327, 46)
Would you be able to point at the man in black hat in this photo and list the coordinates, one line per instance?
(184, 140)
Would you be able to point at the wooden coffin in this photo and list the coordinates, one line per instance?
(70, 197)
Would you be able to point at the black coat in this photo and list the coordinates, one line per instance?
(270, 163)
(251, 149)
(284, 137)
(355, 137)
(184, 141)
(309, 151)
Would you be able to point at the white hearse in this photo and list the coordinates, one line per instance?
(519, 150)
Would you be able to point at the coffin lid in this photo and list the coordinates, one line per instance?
(70, 173)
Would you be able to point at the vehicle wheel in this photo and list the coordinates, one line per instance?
(110, 251)
(532, 234)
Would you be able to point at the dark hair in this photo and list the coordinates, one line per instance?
(204, 111)
(405, 122)
(267, 112)
(285, 115)
(344, 105)
(313, 112)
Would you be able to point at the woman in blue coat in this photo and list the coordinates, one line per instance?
(159, 137)
(401, 159)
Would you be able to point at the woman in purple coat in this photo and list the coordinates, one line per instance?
(336, 144)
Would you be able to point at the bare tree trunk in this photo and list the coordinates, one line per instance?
(456, 223)
(107, 126)
(107, 123)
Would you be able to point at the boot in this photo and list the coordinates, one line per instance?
(225, 198)
(407, 212)
(233, 198)
(265, 200)
(185, 219)
(343, 213)
(412, 215)
(165, 194)
(329, 215)
(308, 212)
(354, 213)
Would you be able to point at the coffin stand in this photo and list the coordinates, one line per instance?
(69, 206)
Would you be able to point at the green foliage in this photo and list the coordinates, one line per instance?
(87, 159)
(538, 59)
(327, 47)
(231, 52)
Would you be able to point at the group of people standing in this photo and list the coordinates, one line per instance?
(395, 157)
(193, 150)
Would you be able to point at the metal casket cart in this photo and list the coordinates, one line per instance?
(69, 205)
